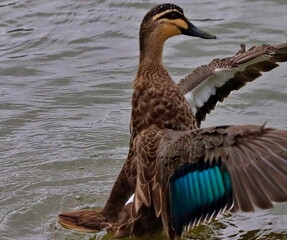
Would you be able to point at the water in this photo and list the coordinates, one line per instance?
(66, 74)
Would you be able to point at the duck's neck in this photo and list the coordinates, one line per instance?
(151, 50)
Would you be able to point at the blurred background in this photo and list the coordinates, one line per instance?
(66, 76)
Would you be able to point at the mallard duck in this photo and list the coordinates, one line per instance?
(177, 174)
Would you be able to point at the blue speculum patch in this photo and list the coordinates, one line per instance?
(198, 190)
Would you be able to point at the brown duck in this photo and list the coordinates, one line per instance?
(177, 174)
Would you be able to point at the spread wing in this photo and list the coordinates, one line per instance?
(190, 176)
(211, 83)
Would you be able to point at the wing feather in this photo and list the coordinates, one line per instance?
(254, 156)
(211, 83)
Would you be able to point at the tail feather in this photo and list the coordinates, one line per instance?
(83, 220)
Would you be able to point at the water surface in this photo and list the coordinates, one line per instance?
(66, 74)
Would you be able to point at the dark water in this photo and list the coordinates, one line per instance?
(66, 73)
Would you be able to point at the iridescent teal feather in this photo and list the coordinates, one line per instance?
(198, 193)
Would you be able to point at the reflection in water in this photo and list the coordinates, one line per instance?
(66, 76)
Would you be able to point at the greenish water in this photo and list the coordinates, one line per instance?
(66, 74)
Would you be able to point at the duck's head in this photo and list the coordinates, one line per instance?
(165, 21)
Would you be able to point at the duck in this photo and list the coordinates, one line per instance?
(178, 175)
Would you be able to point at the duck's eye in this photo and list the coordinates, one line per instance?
(174, 15)
(171, 15)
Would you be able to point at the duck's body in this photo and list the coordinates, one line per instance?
(157, 101)
(180, 174)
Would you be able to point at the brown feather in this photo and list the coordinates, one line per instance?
(83, 220)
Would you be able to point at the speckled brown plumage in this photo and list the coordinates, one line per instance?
(157, 101)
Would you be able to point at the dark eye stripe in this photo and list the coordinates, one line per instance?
(172, 16)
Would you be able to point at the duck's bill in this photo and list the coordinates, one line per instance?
(196, 32)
